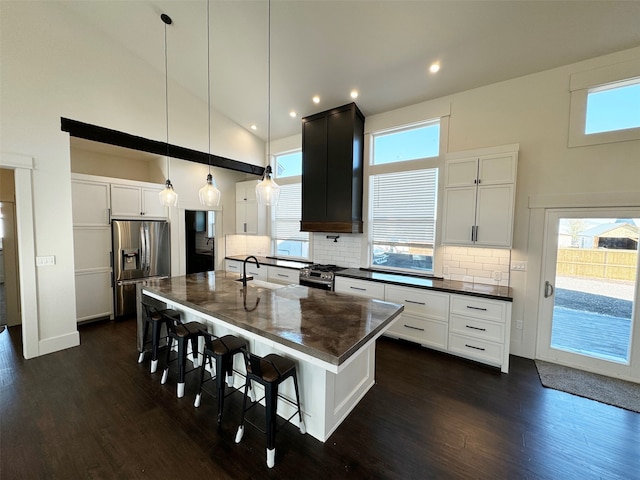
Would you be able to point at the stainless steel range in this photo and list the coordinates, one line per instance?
(319, 276)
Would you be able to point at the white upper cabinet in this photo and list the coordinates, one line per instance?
(251, 218)
(479, 197)
(135, 201)
(90, 203)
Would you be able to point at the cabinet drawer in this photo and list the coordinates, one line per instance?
(360, 288)
(261, 273)
(233, 266)
(474, 348)
(480, 308)
(284, 275)
(420, 302)
(426, 332)
(477, 328)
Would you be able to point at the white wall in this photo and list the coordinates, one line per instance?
(534, 112)
(54, 66)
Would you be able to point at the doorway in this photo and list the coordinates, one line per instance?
(590, 290)
(200, 232)
(9, 280)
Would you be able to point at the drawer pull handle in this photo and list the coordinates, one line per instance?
(476, 328)
(283, 275)
(358, 288)
(414, 328)
(476, 308)
(475, 348)
(416, 303)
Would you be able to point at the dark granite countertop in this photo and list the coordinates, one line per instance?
(451, 286)
(326, 325)
(273, 261)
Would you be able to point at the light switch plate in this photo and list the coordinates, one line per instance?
(46, 261)
(519, 266)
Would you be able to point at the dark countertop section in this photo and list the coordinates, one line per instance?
(273, 261)
(326, 325)
(451, 286)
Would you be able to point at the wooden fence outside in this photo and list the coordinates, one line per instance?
(597, 263)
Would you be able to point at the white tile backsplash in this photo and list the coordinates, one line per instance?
(247, 245)
(478, 265)
(345, 252)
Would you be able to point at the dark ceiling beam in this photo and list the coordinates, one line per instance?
(126, 140)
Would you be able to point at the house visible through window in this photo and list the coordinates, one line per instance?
(403, 188)
(288, 240)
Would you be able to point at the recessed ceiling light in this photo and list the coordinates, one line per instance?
(354, 94)
(435, 67)
(254, 127)
(316, 99)
(292, 114)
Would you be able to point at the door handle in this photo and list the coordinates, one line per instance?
(548, 289)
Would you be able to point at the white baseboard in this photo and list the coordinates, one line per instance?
(61, 342)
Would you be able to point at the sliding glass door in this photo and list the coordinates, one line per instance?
(590, 290)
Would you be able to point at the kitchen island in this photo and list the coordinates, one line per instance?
(331, 336)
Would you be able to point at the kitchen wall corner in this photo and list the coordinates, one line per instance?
(477, 265)
(247, 245)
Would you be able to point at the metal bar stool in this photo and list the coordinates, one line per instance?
(222, 350)
(269, 371)
(183, 333)
(156, 318)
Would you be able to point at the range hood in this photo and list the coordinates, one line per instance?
(332, 165)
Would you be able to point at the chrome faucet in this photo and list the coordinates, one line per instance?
(244, 269)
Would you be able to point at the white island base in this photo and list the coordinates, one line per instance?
(328, 392)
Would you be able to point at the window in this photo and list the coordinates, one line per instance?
(403, 190)
(605, 105)
(288, 240)
(408, 144)
(613, 107)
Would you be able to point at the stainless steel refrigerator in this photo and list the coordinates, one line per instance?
(141, 250)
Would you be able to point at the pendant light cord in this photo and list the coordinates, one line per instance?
(209, 83)
(269, 86)
(166, 91)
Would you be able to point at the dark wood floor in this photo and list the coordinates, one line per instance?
(93, 412)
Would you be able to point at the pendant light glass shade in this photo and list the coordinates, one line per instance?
(209, 194)
(168, 196)
(267, 191)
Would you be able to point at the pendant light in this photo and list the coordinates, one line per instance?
(268, 191)
(209, 194)
(168, 196)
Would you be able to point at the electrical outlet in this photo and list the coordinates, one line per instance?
(46, 261)
(519, 324)
(519, 266)
(497, 276)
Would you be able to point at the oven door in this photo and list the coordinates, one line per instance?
(317, 284)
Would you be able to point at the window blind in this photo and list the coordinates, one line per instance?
(404, 207)
(286, 224)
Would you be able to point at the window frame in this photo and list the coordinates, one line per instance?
(581, 84)
(281, 181)
(370, 170)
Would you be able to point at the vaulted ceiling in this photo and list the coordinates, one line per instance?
(381, 48)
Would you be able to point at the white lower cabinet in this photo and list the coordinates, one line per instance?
(236, 266)
(94, 295)
(285, 276)
(480, 329)
(476, 328)
(359, 288)
(425, 319)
